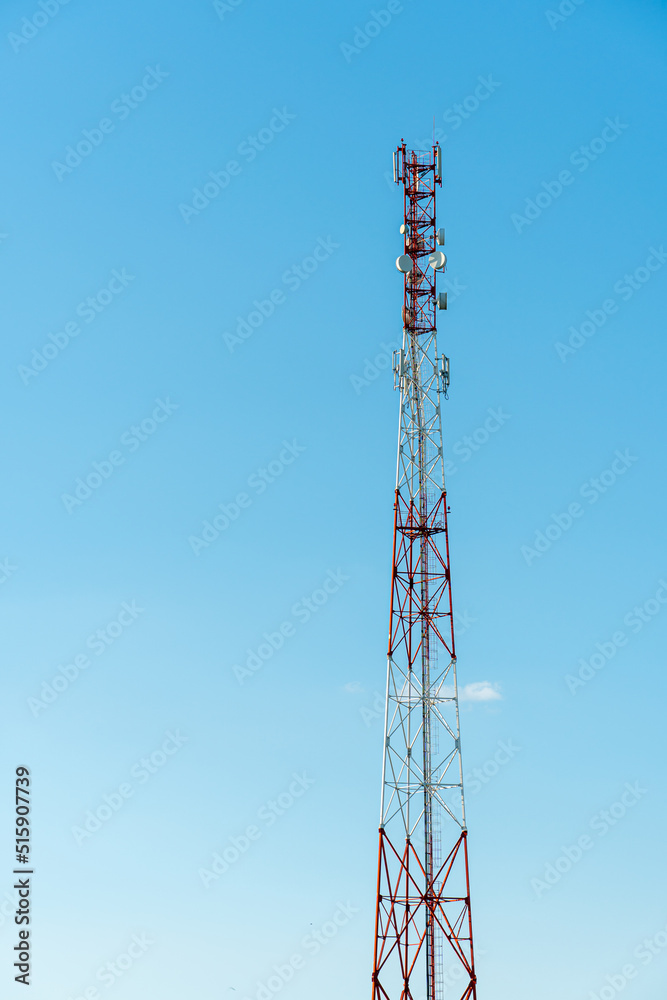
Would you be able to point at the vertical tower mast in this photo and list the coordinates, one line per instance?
(423, 905)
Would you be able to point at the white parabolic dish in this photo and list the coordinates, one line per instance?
(437, 260)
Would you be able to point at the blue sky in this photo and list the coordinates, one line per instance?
(552, 129)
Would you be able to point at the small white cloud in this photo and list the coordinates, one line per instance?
(480, 691)
(353, 687)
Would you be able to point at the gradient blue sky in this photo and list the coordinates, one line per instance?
(526, 622)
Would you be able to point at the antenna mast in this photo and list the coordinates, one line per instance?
(423, 903)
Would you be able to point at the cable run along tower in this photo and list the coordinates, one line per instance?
(423, 929)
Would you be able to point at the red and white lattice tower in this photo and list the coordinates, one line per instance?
(423, 935)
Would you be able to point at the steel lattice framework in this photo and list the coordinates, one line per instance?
(423, 917)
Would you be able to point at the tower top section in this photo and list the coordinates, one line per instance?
(416, 161)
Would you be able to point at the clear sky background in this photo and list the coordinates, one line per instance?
(531, 259)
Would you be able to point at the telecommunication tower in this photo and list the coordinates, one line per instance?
(423, 927)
